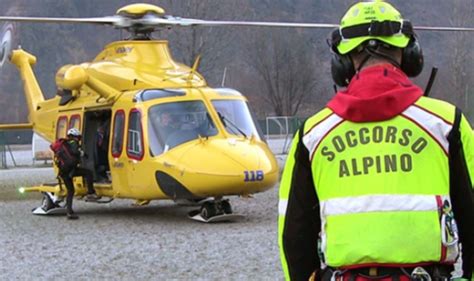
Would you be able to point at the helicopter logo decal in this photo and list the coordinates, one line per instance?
(123, 50)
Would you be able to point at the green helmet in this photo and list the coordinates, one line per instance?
(362, 15)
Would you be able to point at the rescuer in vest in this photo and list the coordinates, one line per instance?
(67, 163)
(377, 185)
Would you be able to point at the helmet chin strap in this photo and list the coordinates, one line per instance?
(362, 63)
(374, 53)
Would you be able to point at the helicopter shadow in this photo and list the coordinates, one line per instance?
(161, 212)
(154, 212)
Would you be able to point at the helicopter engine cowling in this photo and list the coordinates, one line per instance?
(71, 77)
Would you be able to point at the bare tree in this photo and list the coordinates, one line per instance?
(213, 44)
(283, 62)
(276, 67)
(461, 55)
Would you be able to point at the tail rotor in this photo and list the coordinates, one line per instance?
(6, 38)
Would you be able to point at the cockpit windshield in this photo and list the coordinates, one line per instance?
(171, 124)
(236, 117)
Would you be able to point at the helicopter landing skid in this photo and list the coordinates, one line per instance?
(195, 215)
(214, 211)
(49, 206)
(98, 201)
(54, 211)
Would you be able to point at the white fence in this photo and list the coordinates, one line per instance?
(279, 132)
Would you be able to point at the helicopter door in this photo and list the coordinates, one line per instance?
(96, 144)
(118, 164)
(137, 173)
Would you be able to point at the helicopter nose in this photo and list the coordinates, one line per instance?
(223, 167)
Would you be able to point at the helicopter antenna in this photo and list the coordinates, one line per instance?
(194, 68)
(224, 76)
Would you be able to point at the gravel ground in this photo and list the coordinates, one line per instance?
(117, 241)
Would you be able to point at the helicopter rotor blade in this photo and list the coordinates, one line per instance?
(177, 21)
(163, 21)
(196, 22)
(98, 20)
(443, 28)
(155, 21)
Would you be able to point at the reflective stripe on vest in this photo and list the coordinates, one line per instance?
(387, 203)
(282, 205)
(381, 186)
(378, 203)
(312, 139)
(435, 126)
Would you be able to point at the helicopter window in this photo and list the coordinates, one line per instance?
(75, 121)
(236, 118)
(135, 135)
(158, 93)
(61, 127)
(171, 124)
(117, 139)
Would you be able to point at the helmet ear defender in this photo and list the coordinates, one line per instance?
(412, 58)
(342, 67)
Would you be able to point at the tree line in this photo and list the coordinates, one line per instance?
(285, 72)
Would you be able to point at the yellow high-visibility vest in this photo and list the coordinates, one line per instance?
(383, 187)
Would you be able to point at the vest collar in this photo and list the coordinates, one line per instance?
(376, 93)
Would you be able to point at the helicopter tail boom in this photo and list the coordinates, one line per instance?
(41, 188)
(33, 93)
(20, 126)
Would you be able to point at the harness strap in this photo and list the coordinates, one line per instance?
(454, 136)
(435, 273)
(352, 276)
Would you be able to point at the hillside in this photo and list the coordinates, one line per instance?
(301, 55)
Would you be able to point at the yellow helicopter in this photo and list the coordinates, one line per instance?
(169, 135)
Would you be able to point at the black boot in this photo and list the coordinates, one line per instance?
(71, 216)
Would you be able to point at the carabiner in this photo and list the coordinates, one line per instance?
(420, 274)
(335, 274)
